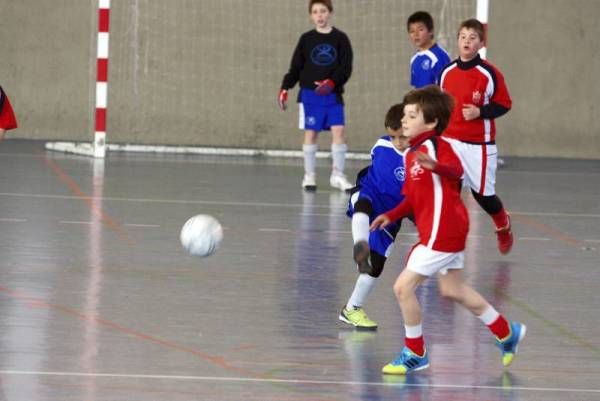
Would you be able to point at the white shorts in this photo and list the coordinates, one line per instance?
(479, 163)
(428, 262)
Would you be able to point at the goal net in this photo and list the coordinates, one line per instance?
(206, 73)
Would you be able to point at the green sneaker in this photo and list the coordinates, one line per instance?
(357, 318)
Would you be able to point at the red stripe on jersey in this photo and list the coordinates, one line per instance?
(483, 169)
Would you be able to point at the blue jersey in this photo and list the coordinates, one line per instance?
(385, 176)
(426, 66)
(381, 184)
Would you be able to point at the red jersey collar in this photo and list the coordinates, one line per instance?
(422, 137)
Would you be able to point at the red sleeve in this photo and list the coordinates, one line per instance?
(448, 170)
(448, 164)
(402, 210)
(7, 116)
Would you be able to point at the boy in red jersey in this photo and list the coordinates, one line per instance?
(7, 116)
(480, 96)
(432, 195)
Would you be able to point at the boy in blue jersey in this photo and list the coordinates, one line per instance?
(321, 65)
(427, 63)
(378, 187)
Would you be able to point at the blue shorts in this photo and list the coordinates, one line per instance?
(380, 241)
(319, 113)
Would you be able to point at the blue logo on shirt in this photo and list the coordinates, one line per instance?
(323, 54)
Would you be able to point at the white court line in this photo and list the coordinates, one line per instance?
(142, 225)
(175, 201)
(287, 230)
(291, 381)
(13, 220)
(261, 204)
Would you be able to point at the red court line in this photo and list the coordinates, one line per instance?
(76, 190)
(39, 303)
(213, 359)
(550, 231)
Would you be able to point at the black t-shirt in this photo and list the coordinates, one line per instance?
(320, 56)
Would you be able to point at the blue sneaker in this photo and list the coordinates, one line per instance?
(406, 362)
(509, 345)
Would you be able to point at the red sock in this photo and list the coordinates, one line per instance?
(416, 345)
(500, 327)
(500, 219)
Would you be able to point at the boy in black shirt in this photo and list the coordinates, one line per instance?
(322, 64)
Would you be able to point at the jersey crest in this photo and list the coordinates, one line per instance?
(416, 170)
(323, 54)
(399, 173)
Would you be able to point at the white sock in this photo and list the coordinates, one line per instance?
(362, 289)
(413, 331)
(338, 155)
(310, 158)
(489, 316)
(360, 227)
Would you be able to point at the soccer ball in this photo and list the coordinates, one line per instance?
(201, 235)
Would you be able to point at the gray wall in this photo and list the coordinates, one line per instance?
(549, 51)
(206, 72)
(47, 59)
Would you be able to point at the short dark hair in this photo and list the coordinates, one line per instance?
(393, 118)
(326, 3)
(435, 105)
(420, 16)
(475, 25)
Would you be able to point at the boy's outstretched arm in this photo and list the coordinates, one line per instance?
(402, 210)
(445, 170)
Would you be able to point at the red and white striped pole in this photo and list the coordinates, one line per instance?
(483, 8)
(101, 78)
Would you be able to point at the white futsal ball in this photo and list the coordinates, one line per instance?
(201, 235)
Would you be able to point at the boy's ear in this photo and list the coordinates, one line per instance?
(431, 126)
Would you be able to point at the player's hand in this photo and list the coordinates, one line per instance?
(470, 112)
(324, 87)
(380, 222)
(282, 99)
(425, 160)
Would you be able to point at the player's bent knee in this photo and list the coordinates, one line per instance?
(402, 290)
(377, 263)
(491, 204)
(450, 292)
(363, 205)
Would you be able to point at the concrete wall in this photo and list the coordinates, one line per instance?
(206, 72)
(46, 66)
(549, 51)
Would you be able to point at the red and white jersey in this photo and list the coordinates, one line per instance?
(474, 82)
(7, 115)
(434, 199)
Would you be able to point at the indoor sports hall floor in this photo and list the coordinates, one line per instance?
(99, 302)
